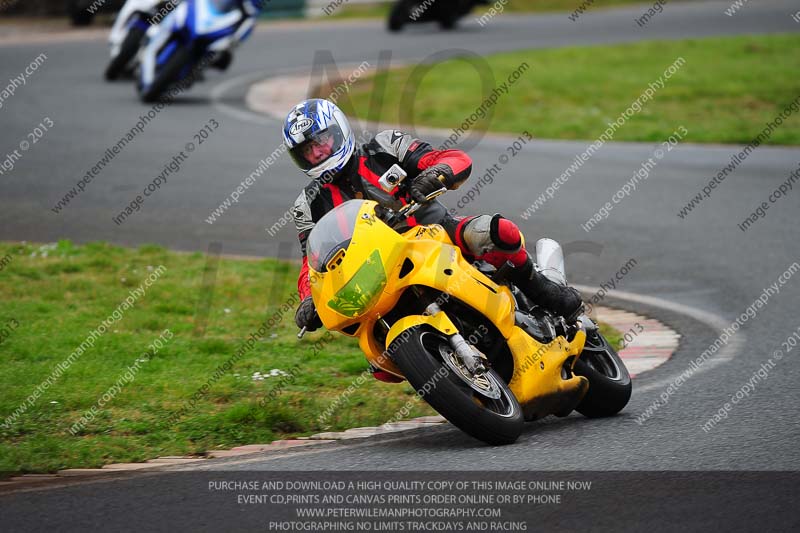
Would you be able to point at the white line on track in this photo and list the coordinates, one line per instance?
(715, 322)
(219, 90)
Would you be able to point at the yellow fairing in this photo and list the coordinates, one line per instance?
(377, 246)
(364, 282)
(433, 262)
(537, 382)
(439, 321)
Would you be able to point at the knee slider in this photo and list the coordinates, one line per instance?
(484, 233)
(505, 234)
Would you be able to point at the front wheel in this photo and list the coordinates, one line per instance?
(127, 51)
(493, 416)
(609, 382)
(179, 63)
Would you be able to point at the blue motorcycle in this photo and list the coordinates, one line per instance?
(195, 35)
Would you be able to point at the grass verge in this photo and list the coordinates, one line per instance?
(726, 92)
(55, 295)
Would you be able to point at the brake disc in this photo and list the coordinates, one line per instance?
(480, 381)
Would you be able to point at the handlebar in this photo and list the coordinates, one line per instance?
(394, 218)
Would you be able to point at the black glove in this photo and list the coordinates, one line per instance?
(426, 183)
(306, 315)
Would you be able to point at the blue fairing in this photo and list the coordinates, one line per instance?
(211, 37)
(220, 7)
(166, 52)
(246, 34)
(138, 22)
(190, 19)
(216, 8)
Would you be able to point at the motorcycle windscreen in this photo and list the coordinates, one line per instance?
(332, 233)
(223, 6)
(327, 246)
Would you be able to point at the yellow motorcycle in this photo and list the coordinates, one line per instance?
(470, 343)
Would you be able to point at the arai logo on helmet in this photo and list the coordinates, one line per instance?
(300, 126)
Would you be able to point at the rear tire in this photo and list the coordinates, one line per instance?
(127, 52)
(609, 381)
(398, 16)
(169, 74)
(494, 422)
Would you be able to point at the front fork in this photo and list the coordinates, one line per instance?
(472, 361)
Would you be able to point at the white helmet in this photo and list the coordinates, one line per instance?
(317, 120)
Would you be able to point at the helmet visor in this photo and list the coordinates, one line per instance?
(318, 147)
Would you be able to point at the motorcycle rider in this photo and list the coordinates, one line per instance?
(249, 9)
(321, 143)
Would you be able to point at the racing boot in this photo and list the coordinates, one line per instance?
(559, 299)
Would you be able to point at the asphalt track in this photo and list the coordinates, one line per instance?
(703, 262)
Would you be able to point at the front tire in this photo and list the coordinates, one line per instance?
(127, 52)
(609, 381)
(169, 74)
(493, 421)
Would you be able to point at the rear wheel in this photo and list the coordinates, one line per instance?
(481, 406)
(609, 382)
(398, 16)
(127, 52)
